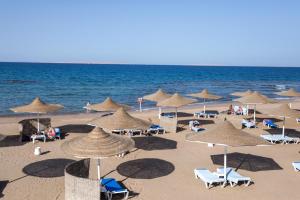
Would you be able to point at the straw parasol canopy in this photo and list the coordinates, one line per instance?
(107, 105)
(254, 98)
(38, 107)
(97, 144)
(159, 95)
(176, 100)
(225, 134)
(121, 120)
(241, 94)
(284, 111)
(289, 93)
(204, 94)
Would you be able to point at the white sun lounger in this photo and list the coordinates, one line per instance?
(233, 177)
(272, 138)
(296, 166)
(279, 138)
(197, 129)
(207, 177)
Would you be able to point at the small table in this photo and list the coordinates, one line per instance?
(38, 137)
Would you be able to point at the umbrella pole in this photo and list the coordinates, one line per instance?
(225, 165)
(254, 118)
(159, 112)
(204, 105)
(98, 169)
(283, 123)
(247, 109)
(38, 122)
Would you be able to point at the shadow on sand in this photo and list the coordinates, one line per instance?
(184, 114)
(146, 168)
(247, 162)
(49, 168)
(201, 121)
(287, 131)
(11, 140)
(2, 186)
(260, 119)
(76, 128)
(154, 143)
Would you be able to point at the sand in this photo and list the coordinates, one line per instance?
(168, 162)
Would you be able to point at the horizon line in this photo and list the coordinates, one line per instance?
(111, 63)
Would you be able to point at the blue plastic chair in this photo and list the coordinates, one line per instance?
(113, 187)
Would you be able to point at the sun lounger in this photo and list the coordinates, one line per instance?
(272, 138)
(111, 186)
(197, 129)
(193, 123)
(169, 115)
(248, 124)
(38, 137)
(279, 138)
(269, 123)
(296, 166)
(233, 177)
(208, 177)
(133, 132)
(206, 114)
(156, 129)
(57, 133)
(238, 110)
(119, 131)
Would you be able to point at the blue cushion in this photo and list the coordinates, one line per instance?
(111, 185)
(154, 126)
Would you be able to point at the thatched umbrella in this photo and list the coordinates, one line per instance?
(204, 94)
(225, 134)
(120, 120)
(98, 144)
(241, 94)
(284, 111)
(254, 98)
(289, 93)
(176, 101)
(38, 107)
(157, 96)
(107, 105)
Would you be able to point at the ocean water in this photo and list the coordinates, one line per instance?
(73, 85)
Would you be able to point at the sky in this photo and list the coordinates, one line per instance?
(211, 32)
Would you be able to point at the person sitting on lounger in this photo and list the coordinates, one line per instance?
(51, 133)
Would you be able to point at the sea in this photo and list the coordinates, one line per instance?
(73, 85)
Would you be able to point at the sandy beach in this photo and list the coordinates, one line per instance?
(167, 162)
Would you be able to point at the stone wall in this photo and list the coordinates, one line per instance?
(169, 124)
(77, 184)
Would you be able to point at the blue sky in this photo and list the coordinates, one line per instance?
(212, 32)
